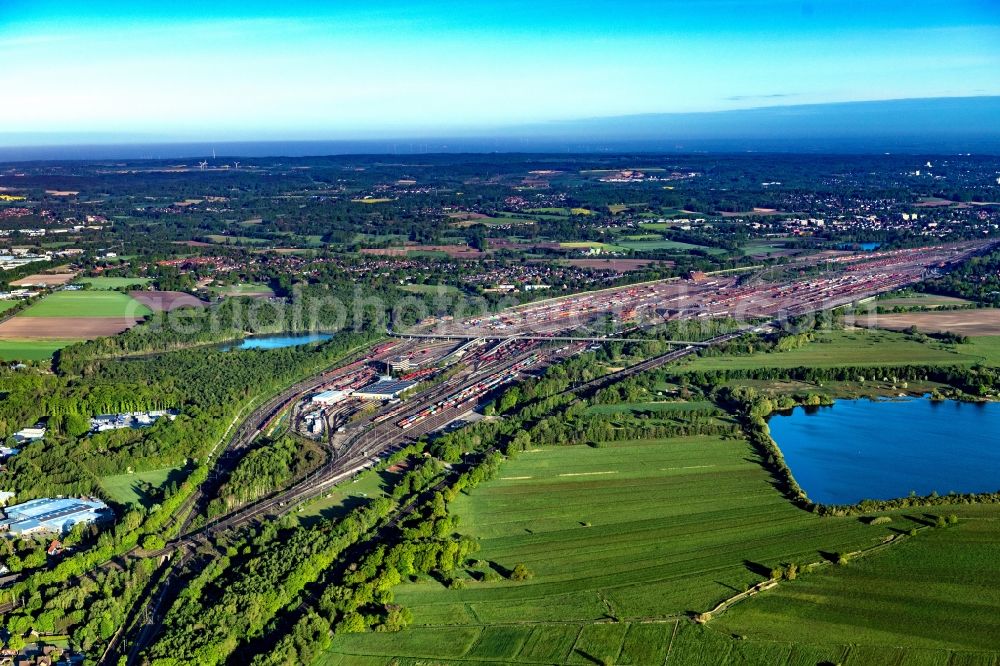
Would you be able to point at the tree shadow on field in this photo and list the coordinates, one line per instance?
(329, 513)
(757, 568)
(589, 657)
(728, 586)
(500, 569)
(926, 519)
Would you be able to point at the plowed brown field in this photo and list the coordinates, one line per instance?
(61, 328)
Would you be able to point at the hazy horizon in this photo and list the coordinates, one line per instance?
(903, 126)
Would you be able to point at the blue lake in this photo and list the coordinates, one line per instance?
(865, 449)
(278, 341)
(868, 247)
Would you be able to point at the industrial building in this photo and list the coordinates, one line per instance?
(384, 389)
(105, 422)
(51, 514)
(402, 364)
(331, 397)
(29, 435)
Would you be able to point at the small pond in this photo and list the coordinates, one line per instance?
(277, 341)
(882, 449)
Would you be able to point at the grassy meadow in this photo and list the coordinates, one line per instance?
(126, 488)
(104, 283)
(430, 288)
(87, 304)
(31, 350)
(852, 348)
(644, 532)
(628, 541)
(984, 347)
(935, 593)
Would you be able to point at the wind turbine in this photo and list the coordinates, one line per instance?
(203, 164)
(236, 165)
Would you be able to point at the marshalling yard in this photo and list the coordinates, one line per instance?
(443, 368)
(449, 366)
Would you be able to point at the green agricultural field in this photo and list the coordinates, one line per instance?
(221, 239)
(347, 495)
(100, 283)
(622, 643)
(127, 488)
(31, 350)
(502, 219)
(87, 304)
(935, 593)
(921, 301)
(641, 245)
(764, 248)
(248, 289)
(657, 226)
(850, 348)
(561, 212)
(596, 245)
(642, 531)
(985, 347)
(7, 305)
(430, 289)
(641, 237)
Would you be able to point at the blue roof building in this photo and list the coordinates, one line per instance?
(51, 514)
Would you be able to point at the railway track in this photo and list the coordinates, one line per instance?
(363, 447)
(359, 452)
(259, 420)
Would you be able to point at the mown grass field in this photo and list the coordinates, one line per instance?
(347, 495)
(986, 347)
(851, 348)
(921, 300)
(430, 288)
(619, 643)
(86, 304)
(592, 245)
(248, 289)
(7, 305)
(114, 282)
(124, 488)
(31, 350)
(642, 245)
(643, 531)
(937, 592)
(221, 239)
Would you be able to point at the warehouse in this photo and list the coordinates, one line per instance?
(51, 514)
(330, 397)
(384, 389)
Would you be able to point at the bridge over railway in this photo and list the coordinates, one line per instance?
(539, 338)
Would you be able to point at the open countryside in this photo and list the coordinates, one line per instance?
(425, 410)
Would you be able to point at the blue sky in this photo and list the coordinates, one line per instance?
(337, 69)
